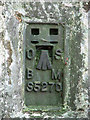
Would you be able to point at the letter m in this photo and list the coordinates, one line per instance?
(55, 76)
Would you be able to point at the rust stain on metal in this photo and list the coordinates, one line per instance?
(18, 16)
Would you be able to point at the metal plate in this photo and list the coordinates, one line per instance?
(44, 51)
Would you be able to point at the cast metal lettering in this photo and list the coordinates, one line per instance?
(55, 76)
(58, 87)
(30, 54)
(30, 87)
(44, 87)
(36, 86)
(58, 54)
(29, 73)
(51, 86)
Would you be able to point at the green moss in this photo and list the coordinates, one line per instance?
(49, 110)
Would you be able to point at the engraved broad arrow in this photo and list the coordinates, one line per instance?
(44, 63)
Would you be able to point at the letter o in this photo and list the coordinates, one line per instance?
(30, 53)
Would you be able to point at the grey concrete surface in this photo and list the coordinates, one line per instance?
(89, 58)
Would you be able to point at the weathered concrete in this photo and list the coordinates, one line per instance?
(13, 17)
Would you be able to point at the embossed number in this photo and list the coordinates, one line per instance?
(36, 86)
(58, 87)
(51, 86)
(44, 87)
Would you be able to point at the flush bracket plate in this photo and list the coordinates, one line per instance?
(44, 51)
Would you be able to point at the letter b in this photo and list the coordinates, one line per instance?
(29, 73)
